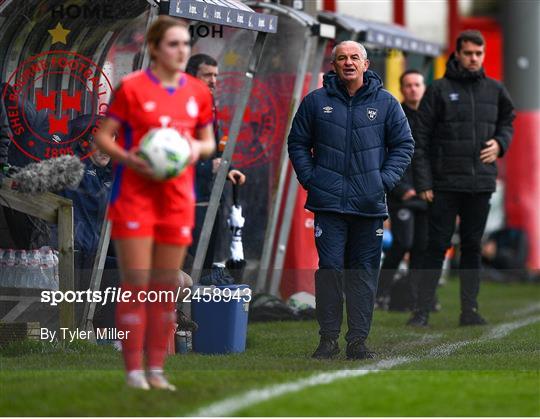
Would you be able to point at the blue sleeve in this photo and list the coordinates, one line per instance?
(300, 143)
(399, 145)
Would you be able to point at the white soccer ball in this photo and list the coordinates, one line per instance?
(301, 300)
(167, 152)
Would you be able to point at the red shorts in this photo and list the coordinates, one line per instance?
(163, 210)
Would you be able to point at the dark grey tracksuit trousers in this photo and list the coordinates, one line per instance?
(349, 249)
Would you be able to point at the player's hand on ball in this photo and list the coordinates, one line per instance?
(141, 166)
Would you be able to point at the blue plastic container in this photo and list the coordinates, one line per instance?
(222, 324)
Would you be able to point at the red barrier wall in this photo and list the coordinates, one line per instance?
(301, 259)
(522, 199)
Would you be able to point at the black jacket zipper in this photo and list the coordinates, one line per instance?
(473, 113)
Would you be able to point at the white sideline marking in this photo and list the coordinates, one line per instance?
(503, 330)
(228, 406)
(447, 349)
(233, 404)
(526, 310)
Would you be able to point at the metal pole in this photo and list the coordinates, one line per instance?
(290, 202)
(226, 158)
(453, 23)
(271, 228)
(97, 273)
(329, 5)
(66, 270)
(399, 12)
(521, 68)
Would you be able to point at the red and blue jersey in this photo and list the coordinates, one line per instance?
(140, 104)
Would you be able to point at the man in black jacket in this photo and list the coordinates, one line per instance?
(205, 68)
(408, 213)
(464, 125)
(349, 145)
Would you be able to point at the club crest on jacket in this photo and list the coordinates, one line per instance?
(371, 113)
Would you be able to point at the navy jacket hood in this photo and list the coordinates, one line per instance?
(335, 87)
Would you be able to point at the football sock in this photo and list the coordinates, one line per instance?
(131, 319)
(161, 321)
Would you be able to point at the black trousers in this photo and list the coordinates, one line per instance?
(473, 210)
(409, 232)
(349, 249)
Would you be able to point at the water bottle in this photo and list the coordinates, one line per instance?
(33, 269)
(9, 261)
(3, 276)
(16, 272)
(47, 267)
(21, 265)
(181, 342)
(43, 270)
(10, 265)
(56, 278)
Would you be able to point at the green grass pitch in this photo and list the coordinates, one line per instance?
(481, 377)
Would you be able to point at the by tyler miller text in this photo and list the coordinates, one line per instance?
(80, 334)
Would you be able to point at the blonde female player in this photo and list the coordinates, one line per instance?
(152, 220)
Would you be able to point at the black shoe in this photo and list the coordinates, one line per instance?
(219, 275)
(471, 318)
(327, 349)
(357, 350)
(418, 319)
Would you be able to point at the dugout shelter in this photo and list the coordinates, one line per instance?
(60, 60)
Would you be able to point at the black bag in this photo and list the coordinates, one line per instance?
(402, 295)
(268, 308)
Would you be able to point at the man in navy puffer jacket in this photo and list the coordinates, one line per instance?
(349, 144)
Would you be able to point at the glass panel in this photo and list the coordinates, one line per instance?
(262, 135)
